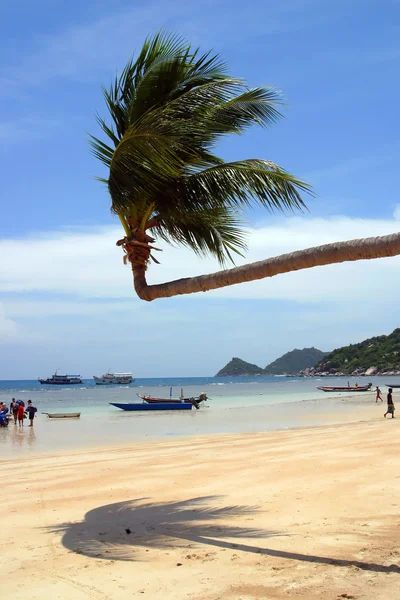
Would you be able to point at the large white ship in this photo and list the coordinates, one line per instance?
(114, 379)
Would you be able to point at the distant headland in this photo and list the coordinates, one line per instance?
(375, 356)
(290, 363)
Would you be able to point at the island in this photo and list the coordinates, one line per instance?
(239, 368)
(290, 363)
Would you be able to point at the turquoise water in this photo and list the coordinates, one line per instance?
(236, 405)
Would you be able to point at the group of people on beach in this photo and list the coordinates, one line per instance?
(19, 411)
(390, 404)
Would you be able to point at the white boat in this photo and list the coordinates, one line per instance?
(63, 415)
(114, 379)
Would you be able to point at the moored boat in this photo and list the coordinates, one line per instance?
(114, 379)
(57, 379)
(196, 400)
(355, 388)
(392, 385)
(63, 415)
(146, 407)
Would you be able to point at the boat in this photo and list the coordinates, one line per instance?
(392, 385)
(143, 406)
(194, 400)
(114, 379)
(57, 379)
(63, 415)
(356, 388)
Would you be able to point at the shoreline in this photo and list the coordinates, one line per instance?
(337, 419)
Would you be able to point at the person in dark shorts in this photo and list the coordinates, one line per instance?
(390, 405)
(14, 409)
(31, 412)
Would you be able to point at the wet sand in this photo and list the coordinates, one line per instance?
(305, 513)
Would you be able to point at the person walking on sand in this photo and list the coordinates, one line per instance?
(378, 394)
(31, 412)
(21, 415)
(390, 407)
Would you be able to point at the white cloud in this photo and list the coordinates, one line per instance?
(70, 297)
(8, 327)
(88, 263)
(83, 52)
(396, 212)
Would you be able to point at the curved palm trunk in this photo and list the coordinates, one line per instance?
(367, 248)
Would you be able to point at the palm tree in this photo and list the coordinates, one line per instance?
(168, 109)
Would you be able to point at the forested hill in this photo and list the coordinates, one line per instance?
(238, 367)
(291, 363)
(295, 361)
(381, 352)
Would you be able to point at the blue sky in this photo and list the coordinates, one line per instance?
(63, 305)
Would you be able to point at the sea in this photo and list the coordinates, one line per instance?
(235, 405)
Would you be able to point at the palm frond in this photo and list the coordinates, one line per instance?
(254, 106)
(239, 184)
(109, 131)
(217, 232)
(101, 151)
(141, 167)
(161, 45)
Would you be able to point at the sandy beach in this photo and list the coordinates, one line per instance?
(304, 513)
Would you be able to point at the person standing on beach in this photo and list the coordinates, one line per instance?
(31, 412)
(378, 394)
(21, 415)
(390, 408)
(14, 410)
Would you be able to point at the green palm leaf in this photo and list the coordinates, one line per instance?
(244, 182)
(216, 231)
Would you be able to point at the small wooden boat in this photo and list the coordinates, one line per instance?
(195, 400)
(392, 385)
(63, 415)
(356, 388)
(157, 406)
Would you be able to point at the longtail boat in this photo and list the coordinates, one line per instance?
(392, 385)
(160, 406)
(194, 400)
(356, 388)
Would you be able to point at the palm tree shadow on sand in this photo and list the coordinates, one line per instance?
(117, 531)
